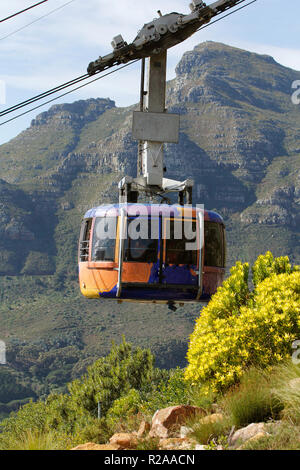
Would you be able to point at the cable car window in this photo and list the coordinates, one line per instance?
(214, 245)
(104, 239)
(179, 237)
(141, 244)
(84, 240)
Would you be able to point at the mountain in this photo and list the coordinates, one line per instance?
(239, 141)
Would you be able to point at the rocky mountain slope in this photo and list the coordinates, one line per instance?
(239, 140)
(239, 133)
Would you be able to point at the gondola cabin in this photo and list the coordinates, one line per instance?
(151, 253)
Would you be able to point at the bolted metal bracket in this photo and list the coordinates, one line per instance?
(153, 127)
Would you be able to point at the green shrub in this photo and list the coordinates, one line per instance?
(113, 381)
(170, 391)
(123, 410)
(253, 400)
(31, 416)
(286, 387)
(36, 440)
(206, 432)
(239, 329)
(148, 444)
(95, 430)
(27, 429)
(64, 414)
(112, 377)
(199, 396)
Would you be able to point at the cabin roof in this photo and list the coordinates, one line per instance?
(110, 210)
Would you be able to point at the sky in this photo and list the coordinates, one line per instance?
(57, 48)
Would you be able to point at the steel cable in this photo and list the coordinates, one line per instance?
(23, 11)
(68, 92)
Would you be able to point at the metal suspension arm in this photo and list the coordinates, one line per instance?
(161, 34)
(152, 125)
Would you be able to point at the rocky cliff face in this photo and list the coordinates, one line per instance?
(239, 142)
(237, 109)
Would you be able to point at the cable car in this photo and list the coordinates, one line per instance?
(159, 253)
(155, 253)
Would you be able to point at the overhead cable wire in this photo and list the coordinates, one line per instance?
(36, 20)
(225, 16)
(44, 94)
(68, 92)
(81, 78)
(23, 11)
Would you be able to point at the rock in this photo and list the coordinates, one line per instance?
(93, 446)
(214, 418)
(200, 447)
(185, 431)
(176, 444)
(253, 439)
(244, 434)
(143, 429)
(167, 421)
(124, 441)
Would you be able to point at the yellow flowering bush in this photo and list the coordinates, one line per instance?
(239, 328)
(265, 265)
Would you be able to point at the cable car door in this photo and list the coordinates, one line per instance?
(182, 253)
(141, 251)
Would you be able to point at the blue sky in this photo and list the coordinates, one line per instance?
(60, 46)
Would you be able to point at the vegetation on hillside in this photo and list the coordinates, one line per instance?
(65, 333)
(249, 333)
(238, 137)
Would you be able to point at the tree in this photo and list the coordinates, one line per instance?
(112, 376)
